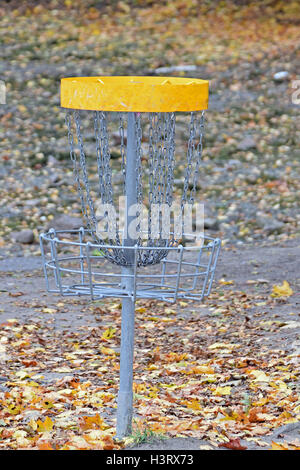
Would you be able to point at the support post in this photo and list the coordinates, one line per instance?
(125, 395)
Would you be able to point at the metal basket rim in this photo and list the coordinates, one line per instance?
(51, 235)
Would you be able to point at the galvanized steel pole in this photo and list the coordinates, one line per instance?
(125, 395)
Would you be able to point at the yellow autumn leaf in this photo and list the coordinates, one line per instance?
(222, 346)
(107, 351)
(220, 391)
(276, 446)
(192, 404)
(283, 290)
(140, 310)
(223, 282)
(79, 442)
(94, 435)
(45, 426)
(200, 370)
(109, 333)
(90, 422)
(22, 108)
(128, 441)
(124, 7)
(22, 374)
(20, 437)
(260, 376)
(170, 311)
(13, 409)
(33, 424)
(49, 310)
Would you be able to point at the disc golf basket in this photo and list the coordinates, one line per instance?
(123, 145)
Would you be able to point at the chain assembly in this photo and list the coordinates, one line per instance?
(155, 165)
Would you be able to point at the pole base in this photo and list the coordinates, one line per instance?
(124, 415)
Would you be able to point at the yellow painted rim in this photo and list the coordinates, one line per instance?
(134, 94)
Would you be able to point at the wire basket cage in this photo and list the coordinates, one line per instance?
(75, 265)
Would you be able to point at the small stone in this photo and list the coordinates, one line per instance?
(211, 223)
(209, 209)
(25, 236)
(54, 178)
(52, 161)
(247, 143)
(32, 202)
(65, 222)
(274, 226)
(271, 174)
(233, 163)
(177, 68)
(281, 76)
(251, 178)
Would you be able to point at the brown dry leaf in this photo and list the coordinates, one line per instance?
(233, 444)
(45, 446)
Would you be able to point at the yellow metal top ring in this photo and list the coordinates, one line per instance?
(134, 94)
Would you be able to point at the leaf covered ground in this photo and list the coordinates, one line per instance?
(221, 371)
(224, 372)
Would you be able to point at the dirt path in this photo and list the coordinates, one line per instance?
(252, 269)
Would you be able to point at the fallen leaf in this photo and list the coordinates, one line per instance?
(45, 446)
(45, 426)
(220, 391)
(233, 444)
(283, 290)
(276, 446)
(223, 282)
(109, 333)
(260, 376)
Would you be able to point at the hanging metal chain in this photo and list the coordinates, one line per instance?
(85, 179)
(103, 157)
(139, 156)
(170, 149)
(190, 154)
(114, 255)
(198, 151)
(158, 168)
(155, 161)
(161, 157)
(122, 148)
(76, 168)
(161, 138)
(105, 177)
(194, 156)
(100, 163)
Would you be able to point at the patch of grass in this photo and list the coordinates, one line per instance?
(141, 434)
